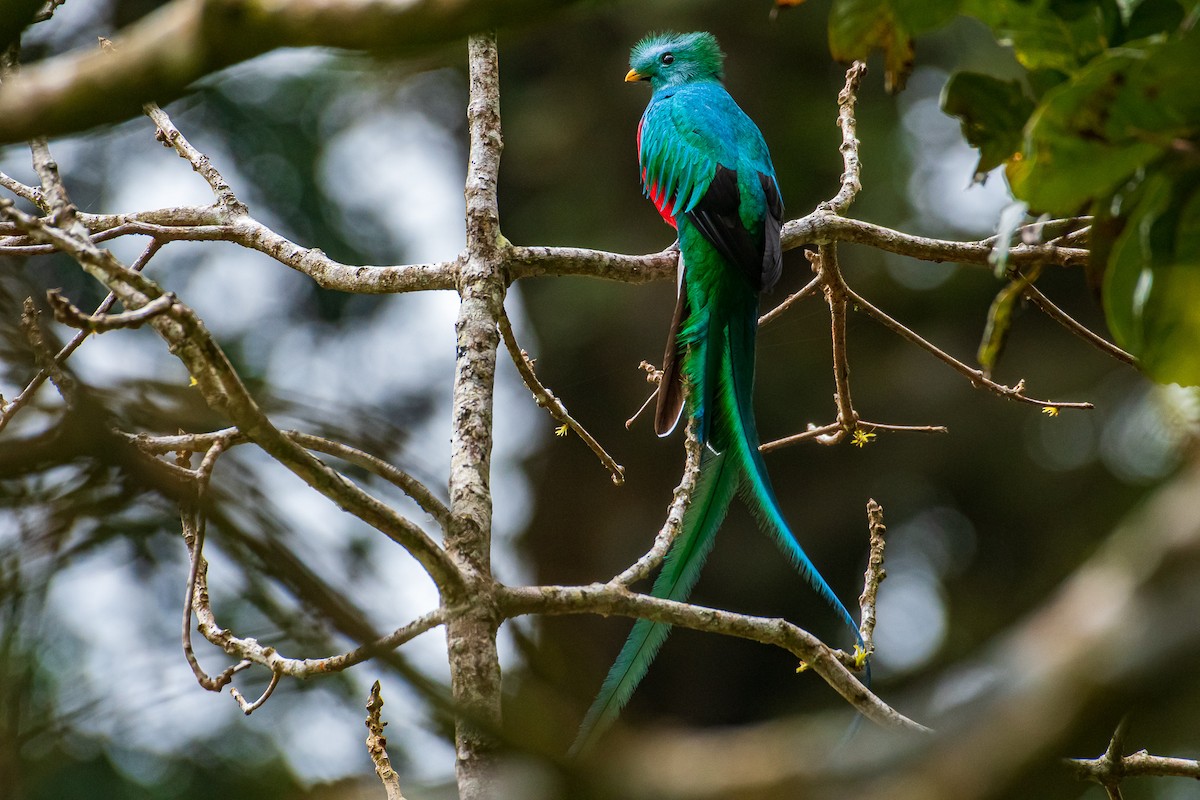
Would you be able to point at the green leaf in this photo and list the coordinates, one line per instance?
(1152, 285)
(993, 114)
(922, 16)
(999, 320)
(1151, 17)
(856, 27)
(1121, 112)
(1040, 38)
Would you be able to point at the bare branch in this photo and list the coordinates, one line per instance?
(24, 192)
(377, 745)
(608, 599)
(195, 442)
(680, 500)
(249, 708)
(823, 227)
(547, 400)
(42, 355)
(470, 638)
(1067, 321)
(161, 55)
(851, 182)
(822, 434)
(873, 577)
(224, 391)
(976, 377)
(170, 136)
(775, 313)
(10, 410)
(825, 262)
(66, 313)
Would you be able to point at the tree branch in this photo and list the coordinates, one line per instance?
(873, 577)
(161, 55)
(607, 599)
(681, 498)
(377, 745)
(471, 637)
(851, 181)
(224, 391)
(547, 400)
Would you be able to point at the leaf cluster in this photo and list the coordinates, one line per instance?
(1105, 122)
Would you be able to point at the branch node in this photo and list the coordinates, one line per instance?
(873, 576)
(377, 745)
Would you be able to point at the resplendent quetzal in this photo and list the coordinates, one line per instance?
(706, 168)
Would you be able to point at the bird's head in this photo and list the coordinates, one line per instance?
(671, 59)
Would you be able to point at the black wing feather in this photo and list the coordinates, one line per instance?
(772, 257)
(716, 216)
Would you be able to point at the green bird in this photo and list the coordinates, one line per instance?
(707, 170)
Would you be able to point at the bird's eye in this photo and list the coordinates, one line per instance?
(667, 58)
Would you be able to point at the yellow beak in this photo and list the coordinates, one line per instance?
(633, 76)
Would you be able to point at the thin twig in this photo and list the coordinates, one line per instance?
(1109, 769)
(196, 598)
(249, 708)
(10, 410)
(976, 377)
(873, 577)
(170, 136)
(195, 442)
(608, 599)
(851, 182)
(377, 745)
(653, 377)
(68, 314)
(54, 192)
(822, 433)
(825, 263)
(412, 487)
(1067, 321)
(42, 354)
(819, 433)
(547, 400)
(680, 500)
(222, 388)
(1030, 232)
(28, 193)
(776, 312)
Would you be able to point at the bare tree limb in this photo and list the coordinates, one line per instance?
(471, 637)
(608, 599)
(547, 400)
(377, 745)
(170, 136)
(851, 180)
(161, 55)
(66, 313)
(680, 500)
(873, 577)
(194, 442)
(1067, 321)
(224, 391)
(976, 377)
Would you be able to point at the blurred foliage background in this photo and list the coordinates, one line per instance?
(364, 159)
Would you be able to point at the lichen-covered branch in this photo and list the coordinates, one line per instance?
(607, 599)
(873, 577)
(851, 175)
(224, 391)
(160, 56)
(377, 745)
(681, 498)
(471, 637)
